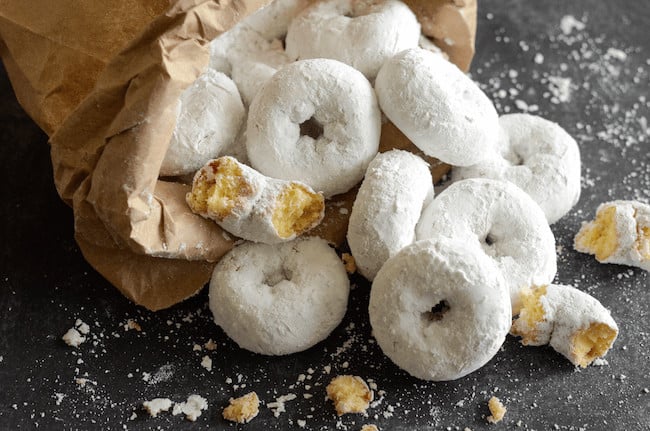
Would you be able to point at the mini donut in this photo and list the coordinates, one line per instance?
(441, 110)
(574, 323)
(396, 187)
(210, 114)
(503, 222)
(537, 155)
(279, 299)
(619, 234)
(439, 309)
(361, 34)
(339, 106)
(251, 206)
(251, 72)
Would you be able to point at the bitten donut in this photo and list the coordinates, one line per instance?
(396, 186)
(210, 114)
(279, 299)
(362, 34)
(503, 222)
(574, 323)
(315, 121)
(619, 234)
(439, 309)
(252, 206)
(441, 110)
(537, 155)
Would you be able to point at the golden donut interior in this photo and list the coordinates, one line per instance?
(350, 394)
(219, 195)
(297, 209)
(591, 343)
(531, 312)
(600, 236)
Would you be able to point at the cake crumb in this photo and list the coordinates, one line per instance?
(497, 409)
(349, 263)
(277, 406)
(369, 428)
(132, 324)
(192, 408)
(350, 394)
(210, 345)
(206, 362)
(73, 338)
(156, 406)
(301, 423)
(243, 409)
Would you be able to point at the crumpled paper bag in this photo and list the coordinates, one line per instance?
(133, 227)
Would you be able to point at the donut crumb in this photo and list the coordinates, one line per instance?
(156, 406)
(497, 410)
(349, 263)
(369, 427)
(243, 409)
(350, 394)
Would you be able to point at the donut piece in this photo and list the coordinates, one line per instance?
(210, 114)
(441, 110)
(396, 186)
(279, 299)
(439, 309)
(500, 220)
(619, 234)
(574, 323)
(537, 155)
(362, 34)
(316, 121)
(252, 206)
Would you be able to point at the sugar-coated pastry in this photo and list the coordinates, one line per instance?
(279, 299)
(396, 187)
(210, 114)
(360, 33)
(252, 206)
(619, 234)
(574, 323)
(439, 309)
(501, 221)
(315, 121)
(441, 110)
(537, 155)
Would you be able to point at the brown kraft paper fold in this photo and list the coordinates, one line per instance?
(134, 228)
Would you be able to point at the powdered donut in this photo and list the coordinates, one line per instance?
(573, 322)
(439, 309)
(537, 155)
(252, 206)
(337, 103)
(619, 234)
(251, 72)
(501, 220)
(396, 187)
(437, 107)
(210, 114)
(280, 299)
(362, 34)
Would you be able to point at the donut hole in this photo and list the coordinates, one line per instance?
(277, 277)
(437, 312)
(311, 128)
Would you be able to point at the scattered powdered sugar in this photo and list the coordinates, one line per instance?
(278, 406)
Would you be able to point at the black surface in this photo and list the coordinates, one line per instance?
(45, 284)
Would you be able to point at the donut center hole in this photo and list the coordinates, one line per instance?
(489, 240)
(311, 128)
(278, 277)
(437, 312)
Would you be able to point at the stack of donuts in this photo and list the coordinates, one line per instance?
(289, 115)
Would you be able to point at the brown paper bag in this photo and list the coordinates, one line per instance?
(135, 229)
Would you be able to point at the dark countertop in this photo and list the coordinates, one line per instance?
(593, 81)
